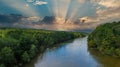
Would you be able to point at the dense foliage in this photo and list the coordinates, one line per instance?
(18, 46)
(106, 39)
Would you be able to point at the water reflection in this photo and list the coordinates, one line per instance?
(73, 54)
(106, 61)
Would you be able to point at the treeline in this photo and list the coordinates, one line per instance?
(19, 46)
(106, 39)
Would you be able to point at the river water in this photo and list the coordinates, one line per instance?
(74, 53)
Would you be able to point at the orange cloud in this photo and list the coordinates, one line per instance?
(110, 3)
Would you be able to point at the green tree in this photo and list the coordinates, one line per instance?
(2, 65)
(25, 57)
(107, 39)
(7, 55)
(33, 50)
(20, 45)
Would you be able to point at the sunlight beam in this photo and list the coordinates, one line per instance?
(63, 8)
(73, 10)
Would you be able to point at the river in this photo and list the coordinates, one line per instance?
(74, 53)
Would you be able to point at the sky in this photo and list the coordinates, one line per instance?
(94, 12)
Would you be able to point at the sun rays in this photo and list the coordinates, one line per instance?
(66, 10)
(65, 13)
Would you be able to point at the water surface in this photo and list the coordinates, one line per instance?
(73, 54)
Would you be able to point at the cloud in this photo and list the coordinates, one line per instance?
(88, 19)
(92, 11)
(39, 3)
(108, 14)
(36, 2)
(110, 3)
(27, 5)
(82, 1)
(111, 10)
(30, 0)
(106, 10)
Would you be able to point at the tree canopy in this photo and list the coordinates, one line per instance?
(19, 46)
(106, 39)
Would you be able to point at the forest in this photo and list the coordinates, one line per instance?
(106, 39)
(19, 46)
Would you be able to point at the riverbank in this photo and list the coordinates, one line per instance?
(21, 45)
(106, 39)
(74, 53)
